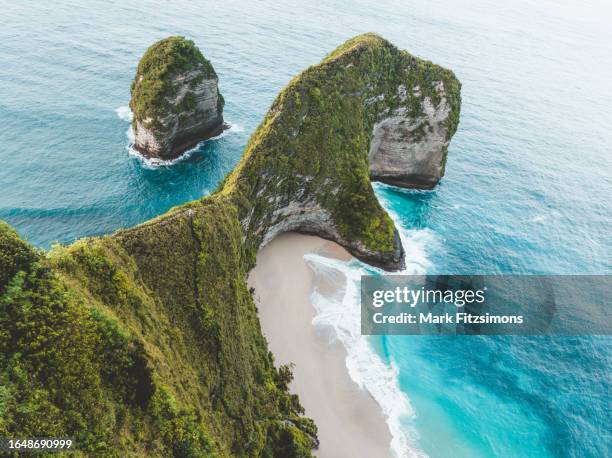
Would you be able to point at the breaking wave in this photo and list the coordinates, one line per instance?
(339, 312)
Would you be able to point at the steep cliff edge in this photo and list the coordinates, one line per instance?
(147, 342)
(175, 99)
(144, 343)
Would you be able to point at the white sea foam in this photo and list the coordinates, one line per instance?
(150, 162)
(340, 314)
(153, 162)
(542, 217)
(124, 113)
(537, 218)
(236, 128)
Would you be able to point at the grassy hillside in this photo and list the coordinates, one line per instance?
(145, 343)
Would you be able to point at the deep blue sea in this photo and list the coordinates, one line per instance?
(528, 187)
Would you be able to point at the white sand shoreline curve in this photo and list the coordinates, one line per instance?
(350, 422)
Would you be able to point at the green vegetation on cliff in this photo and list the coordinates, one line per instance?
(313, 143)
(155, 77)
(147, 342)
(144, 343)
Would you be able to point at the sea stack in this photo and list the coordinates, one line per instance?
(175, 99)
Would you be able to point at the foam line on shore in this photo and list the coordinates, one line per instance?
(340, 313)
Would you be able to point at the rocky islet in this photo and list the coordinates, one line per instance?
(175, 99)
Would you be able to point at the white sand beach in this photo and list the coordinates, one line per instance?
(350, 422)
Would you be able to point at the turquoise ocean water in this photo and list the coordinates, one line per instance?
(528, 186)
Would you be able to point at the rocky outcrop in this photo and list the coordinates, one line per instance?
(409, 149)
(175, 99)
(367, 111)
(309, 217)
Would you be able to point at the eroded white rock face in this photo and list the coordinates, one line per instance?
(410, 151)
(193, 114)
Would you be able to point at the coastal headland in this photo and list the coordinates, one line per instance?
(148, 341)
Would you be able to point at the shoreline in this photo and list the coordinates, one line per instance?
(350, 421)
(191, 142)
(125, 114)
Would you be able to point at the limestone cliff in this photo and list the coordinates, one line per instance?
(147, 342)
(175, 99)
(410, 143)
